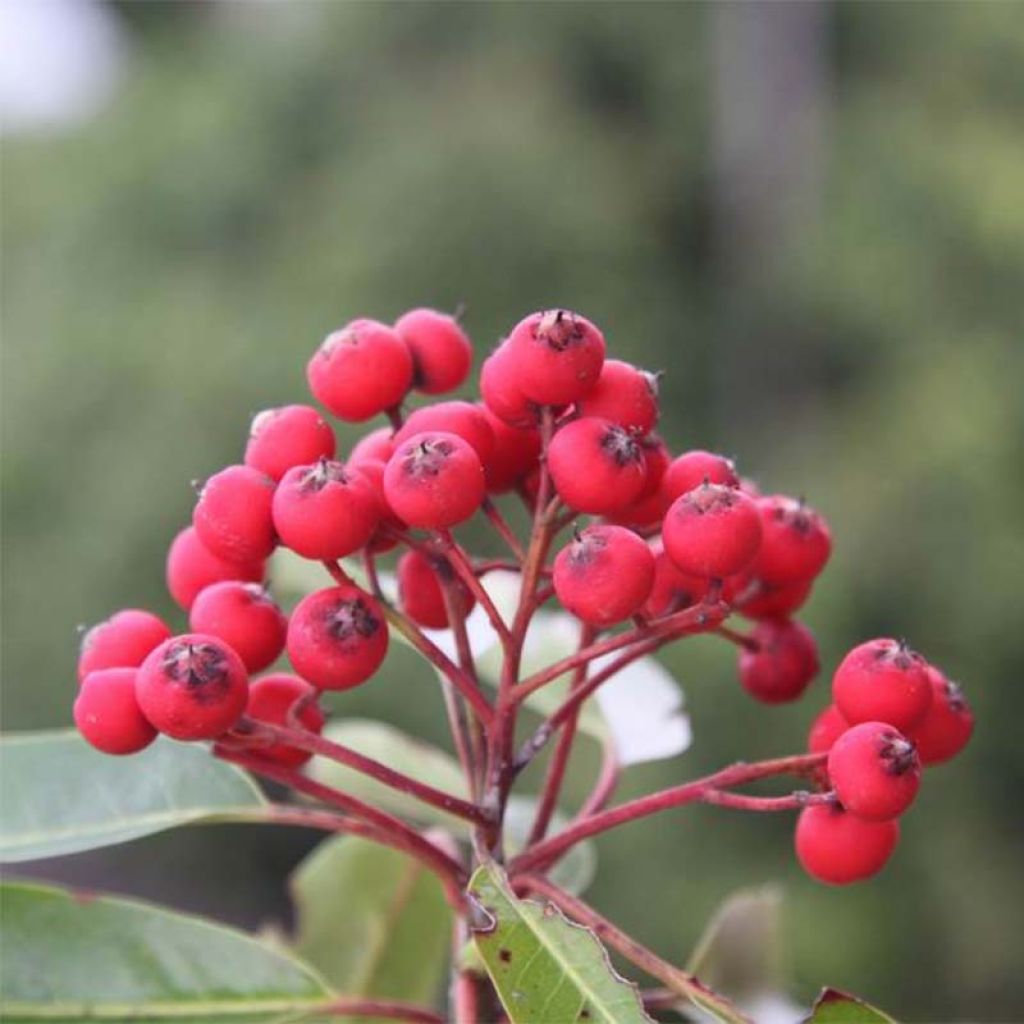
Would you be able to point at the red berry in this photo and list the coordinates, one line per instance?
(360, 371)
(372, 471)
(770, 602)
(122, 641)
(515, 453)
(441, 352)
(825, 730)
(245, 617)
(325, 511)
(657, 458)
(673, 590)
(604, 575)
(947, 726)
(293, 435)
(191, 567)
(712, 531)
(556, 356)
(271, 699)
(625, 395)
(461, 418)
(691, 469)
(232, 516)
(377, 445)
(783, 662)
(107, 713)
(192, 687)
(420, 592)
(434, 480)
(874, 770)
(337, 638)
(838, 848)
(596, 466)
(501, 394)
(796, 543)
(883, 681)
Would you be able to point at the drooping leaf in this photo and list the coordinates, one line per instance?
(835, 1007)
(371, 920)
(71, 956)
(544, 967)
(58, 795)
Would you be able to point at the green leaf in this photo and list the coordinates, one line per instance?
(59, 796)
(835, 1007)
(72, 956)
(544, 967)
(371, 920)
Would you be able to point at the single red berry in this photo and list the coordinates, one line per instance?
(271, 699)
(673, 590)
(122, 641)
(625, 395)
(245, 617)
(232, 516)
(644, 514)
(434, 480)
(360, 371)
(557, 356)
(771, 602)
(107, 713)
(874, 770)
(420, 589)
(883, 681)
(796, 543)
(293, 435)
(441, 352)
(596, 466)
(515, 453)
(836, 847)
(192, 687)
(377, 444)
(825, 730)
(712, 531)
(691, 469)
(191, 567)
(781, 661)
(325, 511)
(460, 418)
(337, 638)
(947, 727)
(372, 471)
(501, 394)
(657, 459)
(604, 575)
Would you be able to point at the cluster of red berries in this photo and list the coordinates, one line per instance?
(672, 533)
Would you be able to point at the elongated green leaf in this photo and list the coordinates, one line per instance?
(59, 796)
(371, 920)
(835, 1007)
(544, 967)
(74, 957)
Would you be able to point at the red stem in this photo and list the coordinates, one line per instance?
(500, 524)
(748, 643)
(607, 780)
(464, 570)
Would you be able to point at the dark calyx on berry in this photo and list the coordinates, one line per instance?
(323, 472)
(202, 668)
(427, 458)
(898, 754)
(621, 446)
(351, 618)
(559, 330)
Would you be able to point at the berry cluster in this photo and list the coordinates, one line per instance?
(673, 546)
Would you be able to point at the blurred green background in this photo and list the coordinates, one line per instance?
(812, 218)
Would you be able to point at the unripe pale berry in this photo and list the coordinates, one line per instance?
(420, 593)
(434, 480)
(781, 662)
(122, 641)
(604, 575)
(770, 602)
(192, 687)
(441, 352)
(377, 445)
(596, 466)
(293, 435)
(836, 847)
(271, 699)
(673, 590)
(557, 356)
(947, 727)
(232, 516)
(515, 453)
(712, 531)
(337, 638)
(107, 712)
(325, 511)
(825, 730)
(245, 617)
(361, 370)
(624, 395)
(461, 418)
(796, 541)
(874, 770)
(883, 681)
(691, 469)
(191, 567)
(501, 394)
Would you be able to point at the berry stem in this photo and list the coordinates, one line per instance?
(464, 570)
(748, 643)
(604, 787)
(500, 524)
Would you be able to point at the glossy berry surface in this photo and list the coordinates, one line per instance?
(107, 712)
(874, 770)
(337, 637)
(825, 730)
(293, 435)
(461, 418)
(796, 541)
(883, 681)
(245, 617)
(271, 699)
(122, 641)
(692, 468)
(192, 687)
(781, 662)
(596, 466)
(441, 352)
(947, 727)
(624, 395)
(604, 575)
(191, 567)
(232, 516)
(838, 848)
(420, 589)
